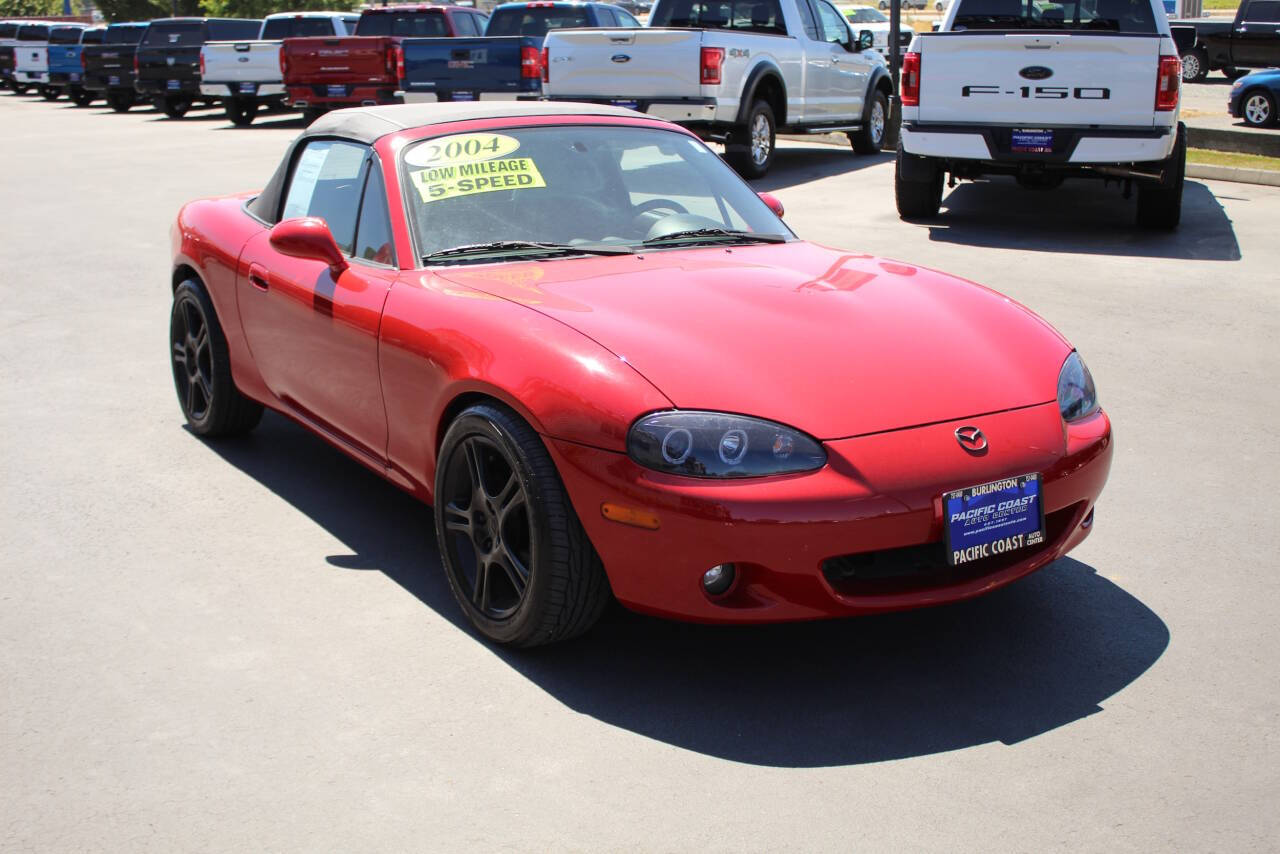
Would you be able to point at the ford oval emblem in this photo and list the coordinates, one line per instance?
(1036, 72)
(620, 57)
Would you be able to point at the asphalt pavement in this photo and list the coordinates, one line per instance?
(250, 645)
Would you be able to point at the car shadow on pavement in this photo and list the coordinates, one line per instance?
(793, 166)
(1017, 663)
(1084, 218)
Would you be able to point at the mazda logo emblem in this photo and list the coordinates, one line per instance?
(971, 439)
(1036, 72)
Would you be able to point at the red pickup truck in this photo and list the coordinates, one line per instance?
(326, 73)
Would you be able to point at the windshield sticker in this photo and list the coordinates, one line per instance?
(461, 148)
(485, 176)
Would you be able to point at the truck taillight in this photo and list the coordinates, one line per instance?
(546, 65)
(910, 86)
(712, 62)
(201, 63)
(397, 54)
(530, 62)
(1168, 80)
(284, 63)
(83, 64)
(135, 63)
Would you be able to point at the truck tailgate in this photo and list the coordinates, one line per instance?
(235, 62)
(1038, 80)
(471, 64)
(350, 59)
(645, 63)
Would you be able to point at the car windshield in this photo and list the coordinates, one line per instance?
(864, 16)
(596, 188)
(175, 34)
(1122, 16)
(535, 20)
(401, 24)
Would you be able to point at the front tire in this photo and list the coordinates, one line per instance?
(916, 198)
(750, 148)
(240, 111)
(1258, 108)
(516, 556)
(1160, 204)
(870, 139)
(1195, 66)
(210, 401)
(175, 106)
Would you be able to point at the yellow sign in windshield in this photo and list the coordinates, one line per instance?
(484, 176)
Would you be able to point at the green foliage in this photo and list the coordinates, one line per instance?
(262, 8)
(144, 10)
(31, 8)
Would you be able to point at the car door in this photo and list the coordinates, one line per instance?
(849, 70)
(1256, 41)
(817, 66)
(314, 336)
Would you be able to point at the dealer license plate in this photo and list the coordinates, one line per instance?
(113, 81)
(463, 96)
(248, 88)
(993, 519)
(337, 91)
(174, 84)
(1030, 141)
(75, 78)
(630, 105)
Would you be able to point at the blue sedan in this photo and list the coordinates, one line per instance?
(1254, 98)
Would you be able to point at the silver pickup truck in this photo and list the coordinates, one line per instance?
(733, 71)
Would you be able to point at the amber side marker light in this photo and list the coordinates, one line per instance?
(629, 516)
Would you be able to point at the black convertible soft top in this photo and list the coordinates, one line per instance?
(369, 124)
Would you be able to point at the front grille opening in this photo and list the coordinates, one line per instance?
(924, 566)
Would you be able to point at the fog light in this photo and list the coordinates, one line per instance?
(718, 579)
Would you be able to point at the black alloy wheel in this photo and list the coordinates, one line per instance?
(212, 404)
(517, 559)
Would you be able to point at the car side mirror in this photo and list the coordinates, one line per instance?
(308, 237)
(866, 39)
(773, 204)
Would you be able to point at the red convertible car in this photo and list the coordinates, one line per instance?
(613, 371)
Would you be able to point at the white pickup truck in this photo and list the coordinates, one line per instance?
(733, 71)
(246, 74)
(1044, 92)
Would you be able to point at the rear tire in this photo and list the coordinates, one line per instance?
(120, 100)
(517, 558)
(750, 148)
(240, 111)
(20, 88)
(1258, 108)
(1195, 66)
(310, 114)
(1160, 204)
(917, 199)
(870, 139)
(207, 394)
(81, 97)
(1234, 73)
(49, 93)
(175, 106)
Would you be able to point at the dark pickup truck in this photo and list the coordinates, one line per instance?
(168, 58)
(327, 73)
(504, 65)
(8, 35)
(108, 67)
(1252, 40)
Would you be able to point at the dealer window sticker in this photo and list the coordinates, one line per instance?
(470, 163)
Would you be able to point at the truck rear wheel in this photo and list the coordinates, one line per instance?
(919, 193)
(120, 100)
(310, 114)
(749, 148)
(1195, 66)
(49, 93)
(175, 106)
(1160, 204)
(80, 96)
(240, 111)
(871, 137)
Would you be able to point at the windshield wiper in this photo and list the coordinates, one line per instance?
(717, 235)
(527, 247)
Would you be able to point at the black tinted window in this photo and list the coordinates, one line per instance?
(291, 28)
(463, 23)
(93, 36)
(605, 17)
(8, 31)
(757, 16)
(1121, 16)
(231, 30)
(326, 182)
(625, 19)
(373, 235)
(1267, 10)
(33, 33)
(535, 21)
(123, 34)
(174, 34)
(401, 24)
(65, 35)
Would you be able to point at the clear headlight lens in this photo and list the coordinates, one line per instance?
(1077, 398)
(714, 444)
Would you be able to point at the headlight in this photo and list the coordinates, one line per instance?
(1077, 397)
(713, 444)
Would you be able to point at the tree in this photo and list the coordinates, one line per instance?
(143, 10)
(30, 8)
(262, 8)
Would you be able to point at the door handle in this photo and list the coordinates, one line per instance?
(258, 277)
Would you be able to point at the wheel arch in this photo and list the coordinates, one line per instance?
(765, 80)
(880, 82)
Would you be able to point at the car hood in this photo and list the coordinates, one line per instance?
(832, 343)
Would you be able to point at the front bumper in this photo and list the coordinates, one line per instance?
(801, 542)
(1071, 145)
